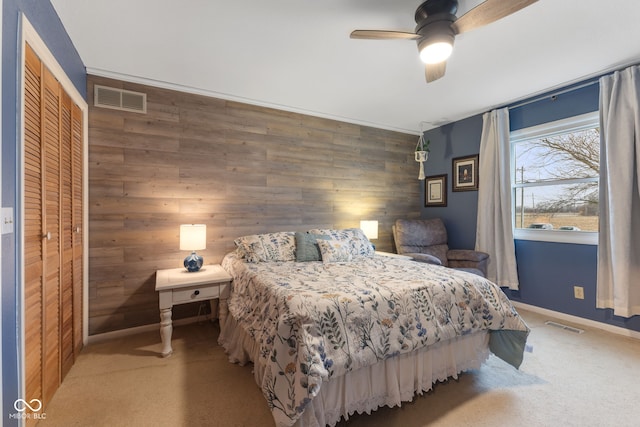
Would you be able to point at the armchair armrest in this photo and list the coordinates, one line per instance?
(429, 259)
(467, 258)
(466, 255)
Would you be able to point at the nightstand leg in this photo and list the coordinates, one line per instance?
(223, 311)
(165, 331)
(213, 303)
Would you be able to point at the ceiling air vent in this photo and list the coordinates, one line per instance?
(120, 99)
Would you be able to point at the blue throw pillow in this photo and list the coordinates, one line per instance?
(307, 246)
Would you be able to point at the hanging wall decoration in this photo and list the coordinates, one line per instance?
(422, 153)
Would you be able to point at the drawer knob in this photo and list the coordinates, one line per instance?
(196, 292)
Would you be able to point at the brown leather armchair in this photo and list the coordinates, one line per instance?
(425, 240)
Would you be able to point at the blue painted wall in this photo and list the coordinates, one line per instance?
(547, 271)
(44, 19)
(456, 139)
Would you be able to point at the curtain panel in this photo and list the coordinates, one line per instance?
(494, 232)
(618, 284)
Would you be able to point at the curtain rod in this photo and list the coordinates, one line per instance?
(587, 82)
(541, 97)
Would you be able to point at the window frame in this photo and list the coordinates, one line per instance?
(562, 126)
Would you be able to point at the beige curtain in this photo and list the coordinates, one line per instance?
(494, 232)
(618, 285)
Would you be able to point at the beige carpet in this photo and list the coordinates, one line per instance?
(589, 379)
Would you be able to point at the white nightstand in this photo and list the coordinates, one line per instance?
(178, 286)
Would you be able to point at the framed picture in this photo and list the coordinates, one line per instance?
(435, 190)
(465, 173)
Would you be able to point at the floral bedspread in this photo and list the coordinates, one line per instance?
(314, 321)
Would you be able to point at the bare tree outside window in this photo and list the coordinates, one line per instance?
(556, 180)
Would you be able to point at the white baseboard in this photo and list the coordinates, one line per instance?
(94, 339)
(579, 320)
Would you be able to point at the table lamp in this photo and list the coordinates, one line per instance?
(192, 238)
(370, 229)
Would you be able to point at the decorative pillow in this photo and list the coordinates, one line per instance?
(268, 247)
(307, 248)
(335, 250)
(250, 247)
(360, 245)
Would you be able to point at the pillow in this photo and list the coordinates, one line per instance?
(360, 245)
(335, 250)
(250, 248)
(307, 248)
(268, 247)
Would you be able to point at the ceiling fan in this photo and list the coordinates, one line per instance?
(437, 26)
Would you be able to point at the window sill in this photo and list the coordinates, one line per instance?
(557, 236)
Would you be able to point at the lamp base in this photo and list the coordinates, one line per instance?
(193, 262)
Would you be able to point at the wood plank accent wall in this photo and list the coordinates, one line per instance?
(240, 169)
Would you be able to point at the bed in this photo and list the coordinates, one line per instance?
(333, 328)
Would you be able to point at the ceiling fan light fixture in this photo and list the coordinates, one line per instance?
(437, 36)
(435, 53)
(437, 26)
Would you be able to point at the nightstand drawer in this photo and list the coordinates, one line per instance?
(195, 293)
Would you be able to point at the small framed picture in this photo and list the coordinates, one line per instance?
(435, 190)
(465, 173)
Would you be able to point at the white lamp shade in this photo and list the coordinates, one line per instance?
(193, 237)
(436, 52)
(370, 229)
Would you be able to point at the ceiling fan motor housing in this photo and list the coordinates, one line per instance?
(433, 7)
(434, 29)
(434, 19)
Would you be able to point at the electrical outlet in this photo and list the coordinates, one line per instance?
(578, 292)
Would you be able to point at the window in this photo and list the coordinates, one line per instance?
(555, 169)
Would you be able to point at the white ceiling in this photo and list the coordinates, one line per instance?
(296, 55)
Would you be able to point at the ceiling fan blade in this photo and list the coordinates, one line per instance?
(487, 12)
(383, 35)
(434, 71)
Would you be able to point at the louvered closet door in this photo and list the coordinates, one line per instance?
(77, 221)
(71, 154)
(53, 196)
(33, 254)
(66, 238)
(51, 229)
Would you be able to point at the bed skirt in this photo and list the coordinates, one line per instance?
(387, 383)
